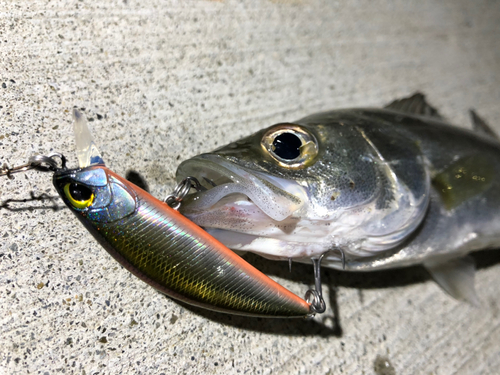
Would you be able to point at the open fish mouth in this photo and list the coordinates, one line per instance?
(230, 186)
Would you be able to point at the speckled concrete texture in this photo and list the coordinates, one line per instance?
(161, 81)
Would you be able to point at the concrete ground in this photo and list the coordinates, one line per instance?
(161, 81)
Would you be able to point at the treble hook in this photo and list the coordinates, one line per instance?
(41, 163)
(315, 297)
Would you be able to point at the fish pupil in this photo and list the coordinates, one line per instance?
(80, 193)
(287, 146)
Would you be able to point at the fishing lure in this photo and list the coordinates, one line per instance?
(156, 243)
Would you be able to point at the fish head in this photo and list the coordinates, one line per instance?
(296, 190)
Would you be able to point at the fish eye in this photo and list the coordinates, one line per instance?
(79, 196)
(291, 146)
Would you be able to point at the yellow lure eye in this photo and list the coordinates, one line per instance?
(78, 195)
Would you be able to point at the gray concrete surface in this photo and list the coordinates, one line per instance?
(161, 81)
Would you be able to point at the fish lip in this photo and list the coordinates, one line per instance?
(212, 167)
(270, 194)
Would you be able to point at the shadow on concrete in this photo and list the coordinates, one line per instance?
(326, 327)
(10, 204)
(137, 179)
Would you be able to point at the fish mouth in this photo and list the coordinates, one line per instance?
(232, 187)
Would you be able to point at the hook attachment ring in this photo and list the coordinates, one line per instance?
(181, 190)
(40, 163)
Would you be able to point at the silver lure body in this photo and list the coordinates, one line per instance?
(388, 187)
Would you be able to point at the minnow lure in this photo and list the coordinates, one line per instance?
(159, 245)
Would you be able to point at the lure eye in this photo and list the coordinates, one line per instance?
(291, 146)
(79, 196)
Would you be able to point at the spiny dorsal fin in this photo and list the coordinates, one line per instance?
(480, 126)
(416, 105)
(456, 277)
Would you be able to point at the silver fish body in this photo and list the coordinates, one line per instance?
(388, 187)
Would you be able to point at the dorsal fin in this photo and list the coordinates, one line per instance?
(480, 126)
(456, 277)
(416, 105)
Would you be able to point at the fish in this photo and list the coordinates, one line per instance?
(359, 189)
(162, 247)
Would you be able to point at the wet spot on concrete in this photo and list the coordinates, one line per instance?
(173, 319)
(382, 366)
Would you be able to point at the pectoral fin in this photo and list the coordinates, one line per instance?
(480, 126)
(456, 277)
